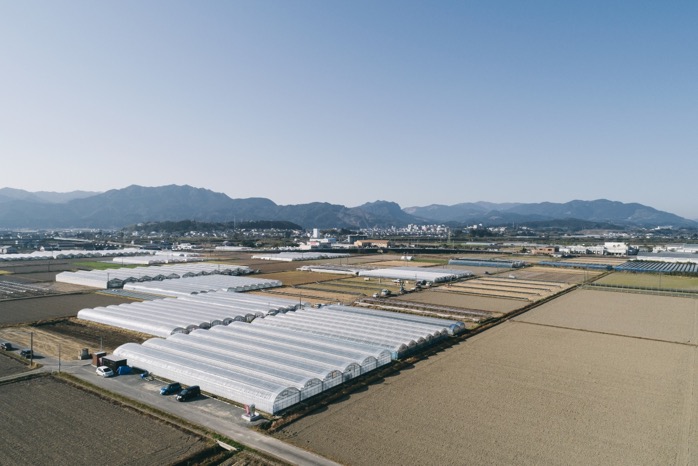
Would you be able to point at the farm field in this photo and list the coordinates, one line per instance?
(665, 318)
(521, 394)
(504, 287)
(483, 303)
(650, 280)
(48, 421)
(18, 311)
(10, 365)
(296, 277)
(551, 274)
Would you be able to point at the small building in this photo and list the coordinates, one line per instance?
(373, 243)
(549, 250)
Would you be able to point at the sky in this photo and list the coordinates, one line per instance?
(416, 102)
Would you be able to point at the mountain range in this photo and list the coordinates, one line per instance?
(118, 208)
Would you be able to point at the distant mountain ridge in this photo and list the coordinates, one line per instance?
(135, 204)
(600, 210)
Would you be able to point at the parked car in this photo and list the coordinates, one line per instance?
(171, 388)
(6, 345)
(189, 393)
(26, 353)
(105, 371)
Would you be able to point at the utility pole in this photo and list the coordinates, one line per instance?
(31, 350)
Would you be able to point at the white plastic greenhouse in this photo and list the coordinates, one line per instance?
(430, 274)
(299, 256)
(279, 360)
(116, 278)
(267, 396)
(163, 317)
(202, 284)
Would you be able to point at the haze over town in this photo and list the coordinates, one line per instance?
(352, 102)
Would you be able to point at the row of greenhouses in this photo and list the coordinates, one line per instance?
(280, 360)
(299, 256)
(202, 284)
(164, 317)
(117, 278)
(429, 274)
(71, 254)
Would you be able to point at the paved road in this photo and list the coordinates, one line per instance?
(210, 413)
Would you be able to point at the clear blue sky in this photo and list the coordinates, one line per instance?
(349, 102)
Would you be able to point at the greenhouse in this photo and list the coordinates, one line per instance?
(299, 256)
(70, 254)
(267, 396)
(279, 360)
(163, 317)
(202, 284)
(429, 274)
(452, 327)
(117, 278)
(272, 368)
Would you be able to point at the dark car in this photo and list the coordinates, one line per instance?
(171, 388)
(6, 345)
(189, 393)
(26, 353)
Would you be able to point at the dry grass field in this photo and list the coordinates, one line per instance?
(71, 335)
(525, 394)
(47, 421)
(650, 280)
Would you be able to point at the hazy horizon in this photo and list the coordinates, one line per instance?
(350, 102)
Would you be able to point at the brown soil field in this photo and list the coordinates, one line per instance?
(17, 311)
(521, 394)
(650, 280)
(663, 318)
(47, 421)
(506, 287)
(10, 365)
(550, 274)
(483, 303)
(297, 277)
